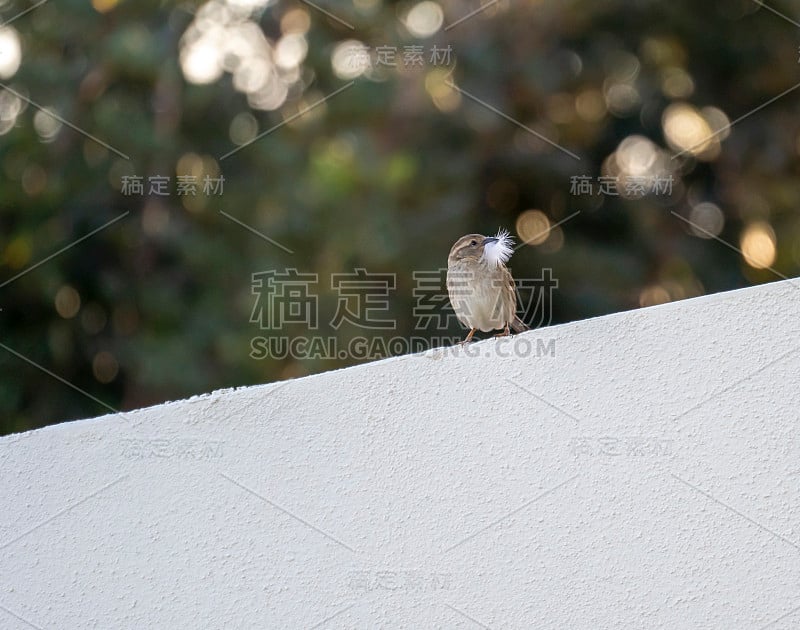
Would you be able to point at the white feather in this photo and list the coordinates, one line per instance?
(500, 251)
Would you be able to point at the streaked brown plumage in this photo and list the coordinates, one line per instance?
(480, 286)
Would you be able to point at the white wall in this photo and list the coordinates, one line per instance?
(646, 476)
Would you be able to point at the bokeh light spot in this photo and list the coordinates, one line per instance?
(718, 121)
(10, 107)
(17, 253)
(105, 367)
(295, 21)
(46, 125)
(636, 155)
(290, 51)
(10, 52)
(676, 83)
(201, 62)
(686, 130)
(444, 97)
(243, 128)
(350, 59)
(247, 6)
(367, 7)
(67, 302)
(533, 227)
(104, 6)
(424, 19)
(252, 75)
(709, 218)
(758, 245)
(590, 105)
(622, 99)
(554, 242)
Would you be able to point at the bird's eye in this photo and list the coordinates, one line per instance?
(473, 242)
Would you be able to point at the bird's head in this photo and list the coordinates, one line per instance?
(477, 248)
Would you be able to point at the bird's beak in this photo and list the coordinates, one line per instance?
(489, 240)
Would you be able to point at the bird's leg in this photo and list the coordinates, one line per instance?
(469, 336)
(505, 332)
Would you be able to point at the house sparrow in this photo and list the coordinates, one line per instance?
(480, 286)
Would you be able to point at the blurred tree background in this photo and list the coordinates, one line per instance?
(366, 134)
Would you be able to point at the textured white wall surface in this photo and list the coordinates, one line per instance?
(640, 470)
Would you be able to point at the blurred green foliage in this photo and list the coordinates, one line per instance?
(384, 176)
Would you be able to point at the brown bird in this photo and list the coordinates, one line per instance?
(480, 285)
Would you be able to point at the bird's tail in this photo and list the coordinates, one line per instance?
(517, 325)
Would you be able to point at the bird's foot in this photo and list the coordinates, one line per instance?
(506, 332)
(469, 337)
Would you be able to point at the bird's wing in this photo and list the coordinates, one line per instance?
(510, 297)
